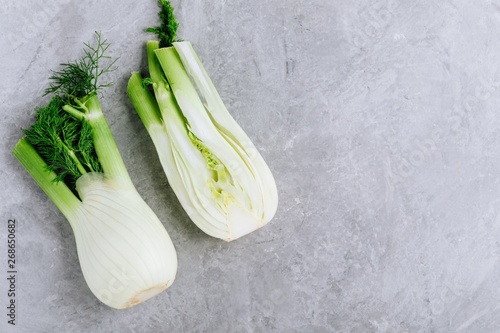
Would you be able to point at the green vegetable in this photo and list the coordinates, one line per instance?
(216, 172)
(125, 253)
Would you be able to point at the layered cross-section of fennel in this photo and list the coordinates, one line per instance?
(125, 253)
(214, 169)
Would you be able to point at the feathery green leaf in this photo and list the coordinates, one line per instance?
(79, 79)
(65, 143)
(167, 31)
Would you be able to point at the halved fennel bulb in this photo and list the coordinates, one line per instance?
(216, 172)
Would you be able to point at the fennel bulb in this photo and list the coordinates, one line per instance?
(125, 253)
(214, 169)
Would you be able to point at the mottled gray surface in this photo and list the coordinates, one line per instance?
(379, 120)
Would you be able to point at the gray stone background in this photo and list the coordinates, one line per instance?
(379, 120)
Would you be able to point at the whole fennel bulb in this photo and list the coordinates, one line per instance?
(125, 253)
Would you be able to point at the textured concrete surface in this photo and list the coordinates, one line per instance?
(379, 120)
